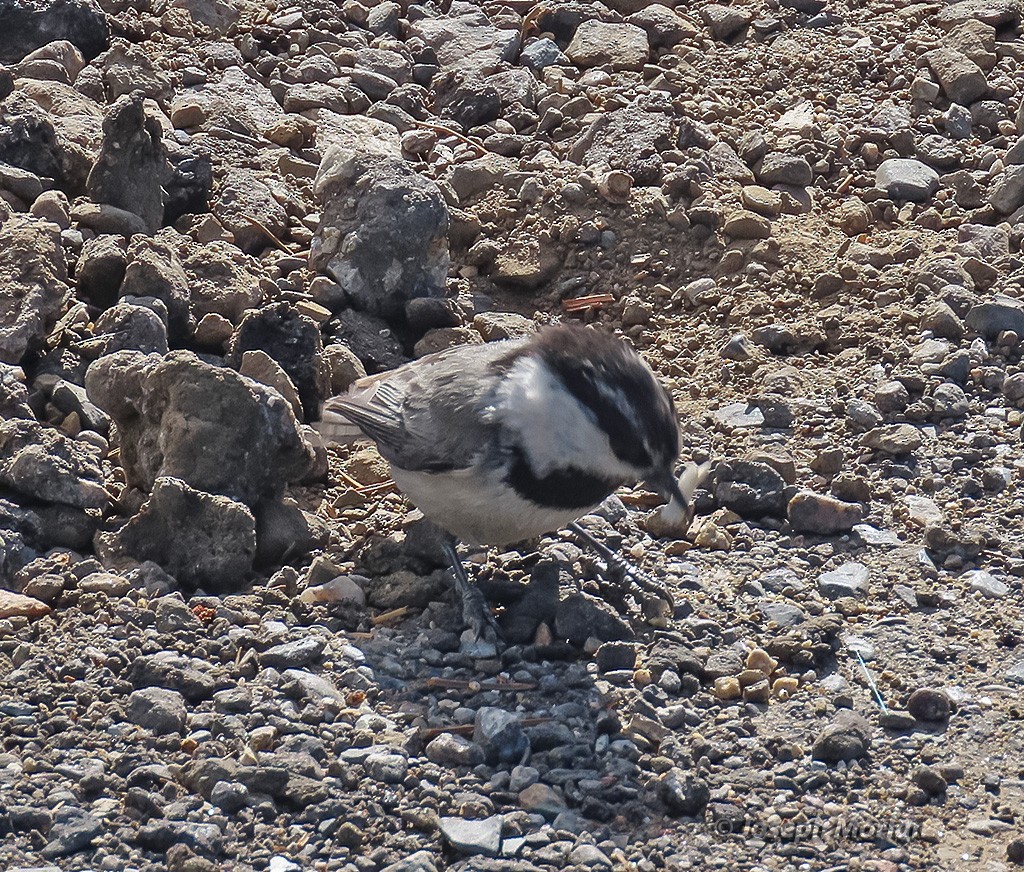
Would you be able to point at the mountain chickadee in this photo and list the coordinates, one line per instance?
(506, 441)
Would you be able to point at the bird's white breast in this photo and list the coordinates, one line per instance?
(478, 507)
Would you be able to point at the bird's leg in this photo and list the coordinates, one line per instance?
(620, 565)
(475, 612)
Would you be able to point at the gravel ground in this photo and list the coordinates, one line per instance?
(226, 646)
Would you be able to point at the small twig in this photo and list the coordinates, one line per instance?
(384, 617)
(266, 231)
(593, 301)
(440, 128)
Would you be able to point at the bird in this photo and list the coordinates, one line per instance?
(503, 442)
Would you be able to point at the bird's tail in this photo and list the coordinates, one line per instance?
(335, 427)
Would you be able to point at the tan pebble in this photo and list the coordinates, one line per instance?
(727, 687)
(785, 685)
(762, 661)
(642, 677)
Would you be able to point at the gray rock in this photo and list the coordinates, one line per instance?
(383, 230)
(73, 830)
(542, 53)
(157, 709)
(473, 837)
(950, 401)
(449, 749)
(629, 139)
(230, 796)
(31, 24)
(748, 487)
(850, 579)
(580, 616)
(292, 655)
(683, 792)
(294, 341)
(100, 269)
(894, 439)
(41, 463)
(222, 279)
(739, 415)
(1008, 193)
(13, 393)
(202, 540)
(961, 78)
(907, 179)
(214, 429)
(132, 162)
(781, 168)
(465, 38)
(992, 317)
(421, 861)
(174, 615)
(598, 43)
(848, 737)
(127, 327)
(386, 768)
(986, 584)
(499, 735)
(244, 195)
(929, 705)
(725, 22)
(155, 270)
(809, 512)
(34, 286)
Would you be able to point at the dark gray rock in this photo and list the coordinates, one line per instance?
(188, 181)
(73, 829)
(31, 24)
(929, 705)
(157, 709)
(100, 270)
(294, 341)
(132, 163)
(229, 796)
(848, 737)
(580, 616)
(126, 327)
(34, 286)
(383, 230)
(214, 429)
(202, 540)
(539, 603)
(499, 734)
(992, 317)
(370, 339)
(750, 488)
(683, 792)
(41, 463)
(291, 655)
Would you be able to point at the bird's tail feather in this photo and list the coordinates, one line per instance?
(334, 427)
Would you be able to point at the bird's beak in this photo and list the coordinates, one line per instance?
(679, 491)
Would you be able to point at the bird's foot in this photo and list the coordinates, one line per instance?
(620, 570)
(480, 638)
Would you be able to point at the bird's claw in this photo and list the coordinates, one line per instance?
(620, 566)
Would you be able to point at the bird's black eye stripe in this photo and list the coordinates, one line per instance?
(625, 442)
(565, 488)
